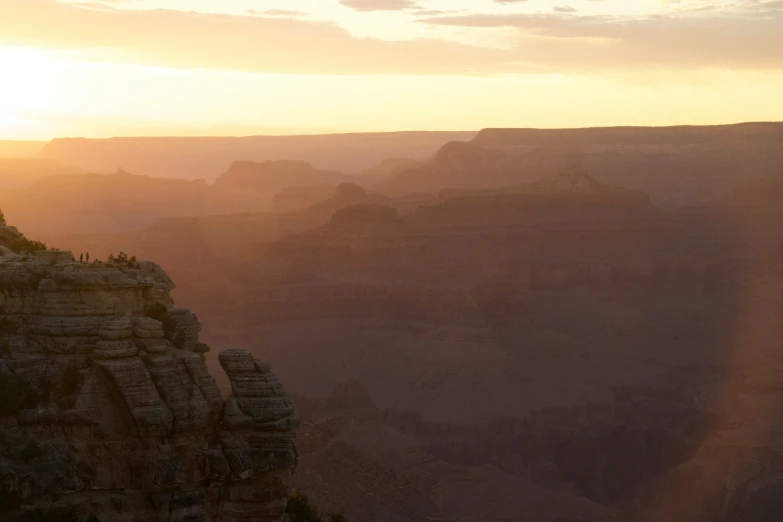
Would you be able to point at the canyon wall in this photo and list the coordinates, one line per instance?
(108, 412)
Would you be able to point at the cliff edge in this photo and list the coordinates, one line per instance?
(107, 410)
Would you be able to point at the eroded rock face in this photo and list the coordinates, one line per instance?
(109, 413)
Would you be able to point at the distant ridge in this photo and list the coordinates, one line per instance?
(207, 157)
(676, 166)
(501, 136)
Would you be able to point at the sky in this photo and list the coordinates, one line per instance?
(102, 68)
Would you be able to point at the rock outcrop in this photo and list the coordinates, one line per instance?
(108, 411)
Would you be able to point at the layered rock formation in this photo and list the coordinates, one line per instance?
(675, 165)
(566, 352)
(108, 412)
(591, 366)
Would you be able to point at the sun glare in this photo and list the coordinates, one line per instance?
(8, 126)
(24, 71)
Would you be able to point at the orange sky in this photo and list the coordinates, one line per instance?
(185, 67)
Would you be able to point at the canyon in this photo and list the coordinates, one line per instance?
(566, 325)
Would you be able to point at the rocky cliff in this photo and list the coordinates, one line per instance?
(109, 413)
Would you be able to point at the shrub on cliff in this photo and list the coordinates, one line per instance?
(22, 245)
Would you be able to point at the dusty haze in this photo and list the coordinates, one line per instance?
(391, 260)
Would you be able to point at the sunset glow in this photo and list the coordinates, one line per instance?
(140, 67)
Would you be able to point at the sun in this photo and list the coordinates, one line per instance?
(23, 72)
(8, 124)
(25, 88)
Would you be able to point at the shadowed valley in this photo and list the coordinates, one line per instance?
(569, 347)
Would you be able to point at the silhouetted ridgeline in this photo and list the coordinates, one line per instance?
(194, 158)
(675, 165)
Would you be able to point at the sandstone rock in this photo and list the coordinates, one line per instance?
(154, 345)
(258, 403)
(114, 349)
(147, 328)
(236, 362)
(184, 329)
(134, 384)
(203, 380)
(119, 418)
(190, 409)
(36, 416)
(120, 328)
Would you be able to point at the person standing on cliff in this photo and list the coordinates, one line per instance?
(81, 258)
(88, 257)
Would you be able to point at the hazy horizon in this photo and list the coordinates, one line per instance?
(313, 132)
(248, 67)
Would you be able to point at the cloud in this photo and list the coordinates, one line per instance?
(279, 12)
(259, 44)
(563, 9)
(418, 10)
(737, 6)
(432, 12)
(751, 38)
(379, 5)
